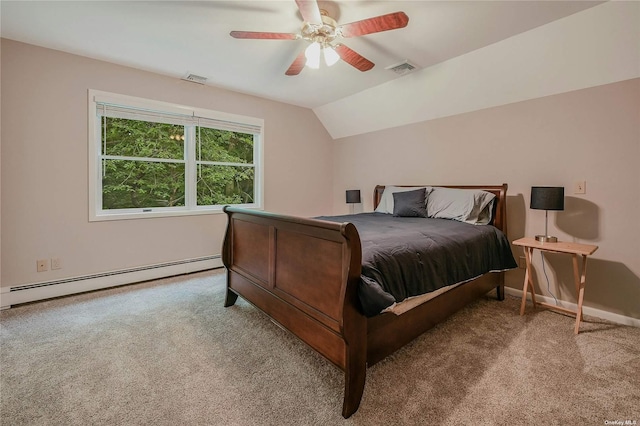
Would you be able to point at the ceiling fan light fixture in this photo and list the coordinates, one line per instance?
(330, 56)
(312, 53)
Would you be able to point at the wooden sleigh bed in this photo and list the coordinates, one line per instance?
(304, 274)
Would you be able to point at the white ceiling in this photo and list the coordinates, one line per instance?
(180, 37)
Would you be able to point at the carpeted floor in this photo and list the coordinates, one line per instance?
(167, 353)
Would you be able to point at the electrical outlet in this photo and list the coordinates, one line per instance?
(55, 263)
(522, 263)
(42, 265)
(580, 187)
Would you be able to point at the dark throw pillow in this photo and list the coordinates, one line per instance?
(410, 203)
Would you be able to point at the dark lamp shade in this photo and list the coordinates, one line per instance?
(353, 196)
(547, 198)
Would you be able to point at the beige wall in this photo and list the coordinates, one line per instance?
(590, 134)
(44, 167)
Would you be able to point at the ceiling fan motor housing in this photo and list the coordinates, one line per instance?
(323, 34)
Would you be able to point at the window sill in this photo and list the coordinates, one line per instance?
(163, 213)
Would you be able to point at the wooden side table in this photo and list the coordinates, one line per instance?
(574, 249)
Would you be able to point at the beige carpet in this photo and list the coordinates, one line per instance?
(168, 353)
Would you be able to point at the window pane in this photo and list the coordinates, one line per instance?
(223, 146)
(140, 184)
(133, 138)
(225, 185)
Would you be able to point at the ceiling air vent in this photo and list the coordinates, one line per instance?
(402, 68)
(195, 78)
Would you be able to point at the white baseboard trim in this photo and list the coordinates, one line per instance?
(45, 290)
(586, 310)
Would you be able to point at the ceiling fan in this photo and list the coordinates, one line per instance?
(322, 31)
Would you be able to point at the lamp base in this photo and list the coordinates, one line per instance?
(546, 239)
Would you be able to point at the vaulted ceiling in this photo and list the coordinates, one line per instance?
(176, 38)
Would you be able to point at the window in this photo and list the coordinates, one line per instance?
(149, 158)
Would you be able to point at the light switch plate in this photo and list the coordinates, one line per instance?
(580, 187)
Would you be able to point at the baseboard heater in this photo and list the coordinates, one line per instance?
(56, 288)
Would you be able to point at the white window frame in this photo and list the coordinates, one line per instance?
(97, 213)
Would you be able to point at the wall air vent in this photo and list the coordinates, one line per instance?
(195, 78)
(402, 68)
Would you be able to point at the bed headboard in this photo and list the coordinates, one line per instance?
(499, 207)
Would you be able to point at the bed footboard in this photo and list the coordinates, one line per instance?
(304, 274)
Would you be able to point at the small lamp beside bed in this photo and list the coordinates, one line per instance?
(353, 197)
(547, 198)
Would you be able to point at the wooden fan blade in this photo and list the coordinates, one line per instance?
(387, 22)
(310, 11)
(297, 64)
(263, 35)
(353, 58)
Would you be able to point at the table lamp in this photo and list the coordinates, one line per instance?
(547, 198)
(353, 197)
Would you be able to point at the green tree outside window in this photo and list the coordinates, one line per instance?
(144, 165)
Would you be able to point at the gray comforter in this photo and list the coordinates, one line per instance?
(405, 256)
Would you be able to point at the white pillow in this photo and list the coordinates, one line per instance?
(386, 200)
(464, 205)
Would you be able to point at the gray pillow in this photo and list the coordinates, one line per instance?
(464, 205)
(410, 203)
